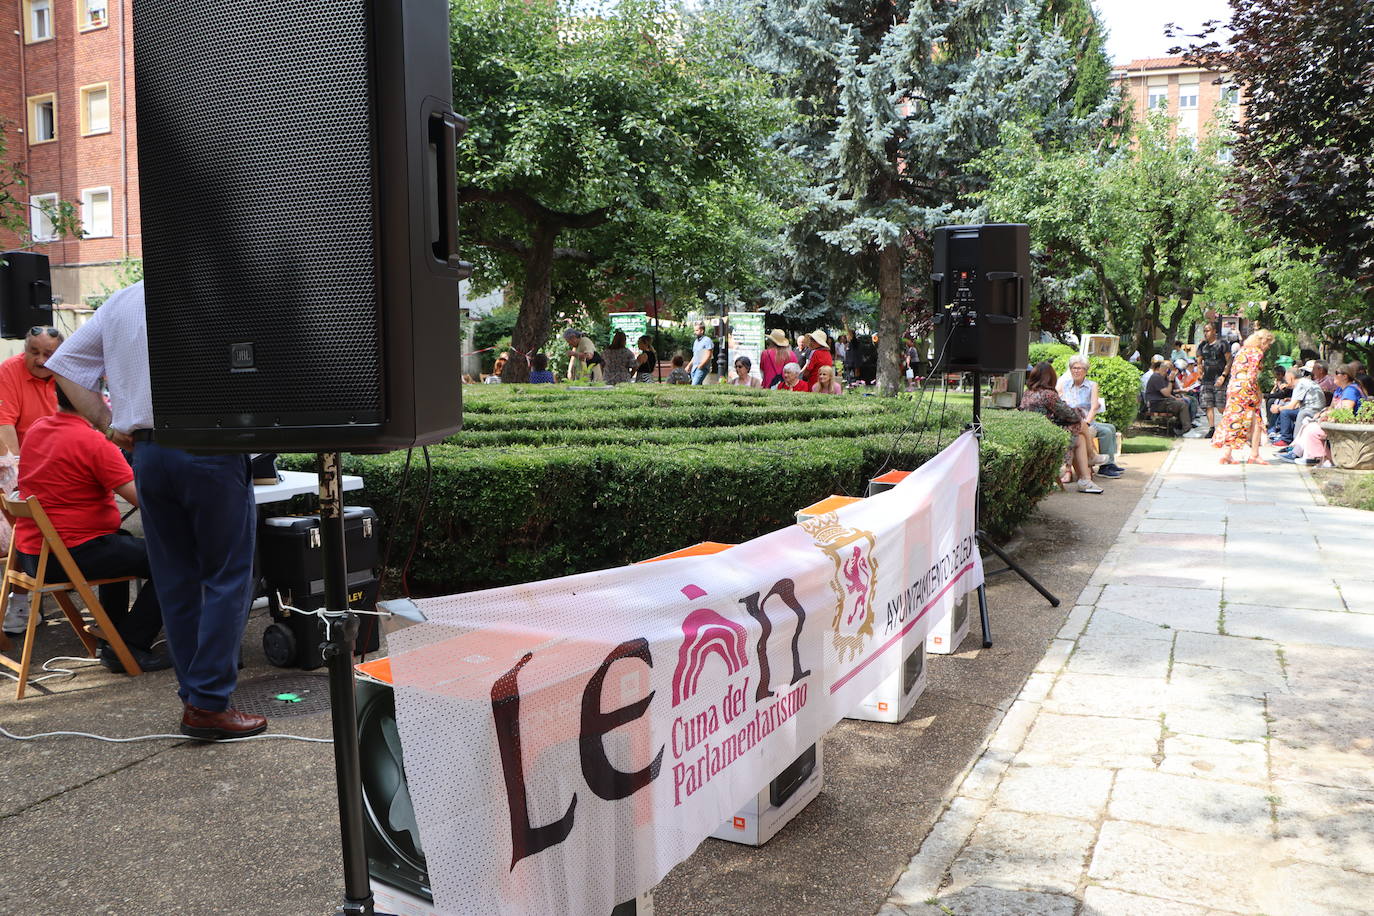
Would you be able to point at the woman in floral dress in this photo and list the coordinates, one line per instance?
(1241, 423)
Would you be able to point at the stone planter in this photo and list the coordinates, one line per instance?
(1352, 445)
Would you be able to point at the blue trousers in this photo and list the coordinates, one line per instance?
(199, 521)
(1288, 420)
(699, 376)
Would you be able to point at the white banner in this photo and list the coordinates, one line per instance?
(568, 742)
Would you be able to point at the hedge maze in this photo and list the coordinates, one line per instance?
(545, 481)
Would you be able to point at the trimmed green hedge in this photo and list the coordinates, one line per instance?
(544, 483)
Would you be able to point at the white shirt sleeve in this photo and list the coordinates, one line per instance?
(81, 357)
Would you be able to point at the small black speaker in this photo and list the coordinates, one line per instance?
(297, 179)
(981, 279)
(25, 293)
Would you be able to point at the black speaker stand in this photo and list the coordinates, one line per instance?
(340, 628)
(983, 539)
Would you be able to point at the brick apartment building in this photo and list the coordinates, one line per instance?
(67, 101)
(1201, 101)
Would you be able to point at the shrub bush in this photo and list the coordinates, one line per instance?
(1119, 384)
(1048, 352)
(545, 483)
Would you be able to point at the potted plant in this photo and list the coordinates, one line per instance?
(1350, 435)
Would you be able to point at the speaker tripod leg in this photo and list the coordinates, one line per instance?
(983, 617)
(1012, 565)
(340, 629)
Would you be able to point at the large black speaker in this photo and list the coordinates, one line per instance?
(981, 279)
(25, 293)
(297, 174)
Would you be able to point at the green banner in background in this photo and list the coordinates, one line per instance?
(746, 339)
(634, 324)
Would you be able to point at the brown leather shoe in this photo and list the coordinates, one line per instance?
(214, 726)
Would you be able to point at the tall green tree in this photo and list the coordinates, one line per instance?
(603, 145)
(895, 99)
(1091, 81)
(1305, 153)
(1138, 229)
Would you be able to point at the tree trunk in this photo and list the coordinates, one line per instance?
(532, 326)
(890, 379)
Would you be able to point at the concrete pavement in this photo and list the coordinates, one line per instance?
(1199, 738)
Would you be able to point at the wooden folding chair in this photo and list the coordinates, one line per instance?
(38, 586)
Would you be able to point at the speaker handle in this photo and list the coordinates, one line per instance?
(996, 276)
(445, 128)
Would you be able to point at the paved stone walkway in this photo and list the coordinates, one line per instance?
(1199, 738)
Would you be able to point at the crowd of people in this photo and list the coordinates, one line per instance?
(816, 362)
(1212, 391)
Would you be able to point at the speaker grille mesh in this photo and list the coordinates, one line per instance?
(258, 184)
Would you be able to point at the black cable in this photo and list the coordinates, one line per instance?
(916, 408)
(419, 519)
(940, 425)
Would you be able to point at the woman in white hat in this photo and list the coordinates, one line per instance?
(820, 356)
(777, 352)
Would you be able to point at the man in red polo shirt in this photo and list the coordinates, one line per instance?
(27, 389)
(75, 472)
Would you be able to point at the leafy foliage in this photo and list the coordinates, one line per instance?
(1306, 150)
(547, 482)
(1121, 233)
(1047, 352)
(600, 147)
(14, 215)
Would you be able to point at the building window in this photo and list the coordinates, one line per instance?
(1187, 95)
(97, 213)
(1229, 95)
(95, 109)
(94, 13)
(42, 118)
(37, 20)
(1159, 98)
(42, 208)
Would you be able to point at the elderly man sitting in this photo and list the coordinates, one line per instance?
(1081, 393)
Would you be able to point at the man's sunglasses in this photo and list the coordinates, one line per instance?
(38, 329)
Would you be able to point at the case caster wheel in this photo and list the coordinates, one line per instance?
(279, 645)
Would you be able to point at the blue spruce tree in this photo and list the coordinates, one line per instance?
(895, 98)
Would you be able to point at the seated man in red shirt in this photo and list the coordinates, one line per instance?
(27, 388)
(75, 472)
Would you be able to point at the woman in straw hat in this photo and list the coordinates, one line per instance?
(777, 352)
(820, 356)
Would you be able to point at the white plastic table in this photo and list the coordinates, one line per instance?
(297, 483)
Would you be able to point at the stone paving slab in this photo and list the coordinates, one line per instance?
(1200, 738)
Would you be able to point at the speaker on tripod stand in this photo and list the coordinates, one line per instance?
(981, 290)
(981, 279)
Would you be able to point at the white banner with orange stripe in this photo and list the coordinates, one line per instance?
(568, 742)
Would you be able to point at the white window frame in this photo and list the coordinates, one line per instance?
(87, 224)
(41, 223)
(1187, 95)
(87, 22)
(34, 103)
(83, 95)
(1154, 93)
(32, 11)
(1229, 95)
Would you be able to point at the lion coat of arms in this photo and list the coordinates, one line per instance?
(853, 580)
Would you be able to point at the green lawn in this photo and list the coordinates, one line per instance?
(1135, 445)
